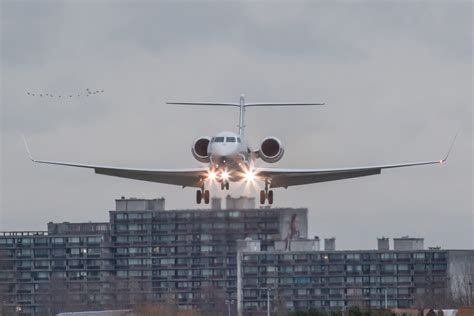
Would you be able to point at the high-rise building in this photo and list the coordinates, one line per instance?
(46, 271)
(205, 258)
(143, 253)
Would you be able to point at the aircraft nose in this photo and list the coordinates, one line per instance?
(224, 151)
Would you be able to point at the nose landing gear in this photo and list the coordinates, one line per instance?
(225, 185)
(266, 195)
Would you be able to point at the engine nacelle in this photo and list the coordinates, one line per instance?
(271, 150)
(199, 149)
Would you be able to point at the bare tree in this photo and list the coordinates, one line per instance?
(462, 275)
(116, 293)
(280, 304)
(212, 301)
(164, 309)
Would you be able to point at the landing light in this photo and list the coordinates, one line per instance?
(225, 175)
(211, 175)
(249, 176)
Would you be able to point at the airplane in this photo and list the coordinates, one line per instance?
(230, 159)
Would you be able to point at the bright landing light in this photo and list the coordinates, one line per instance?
(225, 175)
(211, 175)
(249, 176)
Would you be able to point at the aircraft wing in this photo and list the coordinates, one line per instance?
(290, 177)
(279, 178)
(181, 177)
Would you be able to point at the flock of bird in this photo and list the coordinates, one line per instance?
(87, 93)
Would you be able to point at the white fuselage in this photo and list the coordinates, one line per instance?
(228, 152)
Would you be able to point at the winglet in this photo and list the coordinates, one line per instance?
(27, 148)
(450, 148)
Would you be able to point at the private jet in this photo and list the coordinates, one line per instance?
(229, 158)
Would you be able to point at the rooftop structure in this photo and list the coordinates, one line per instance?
(408, 243)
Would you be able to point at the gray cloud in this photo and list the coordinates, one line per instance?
(396, 77)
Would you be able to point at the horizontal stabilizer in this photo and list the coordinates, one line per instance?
(204, 103)
(244, 105)
(282, 104)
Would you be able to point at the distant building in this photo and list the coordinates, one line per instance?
(330, 279)
(240, 203)
(143, 253)
(43, 272)
(203, 258)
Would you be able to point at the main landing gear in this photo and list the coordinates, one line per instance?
(202, 194)
(266, 195)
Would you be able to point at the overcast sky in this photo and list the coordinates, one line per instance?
(396, 78)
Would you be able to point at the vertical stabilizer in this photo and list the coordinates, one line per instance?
(242, 115)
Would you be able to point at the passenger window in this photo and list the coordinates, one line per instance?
(219, 139)
(230, 140)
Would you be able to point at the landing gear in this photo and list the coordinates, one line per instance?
(263, 196)
(202, 194)
(206, 196)
(198, 196)
(270, 197)
(266, 195)
(225, 185)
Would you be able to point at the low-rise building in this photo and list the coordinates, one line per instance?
(331, 279)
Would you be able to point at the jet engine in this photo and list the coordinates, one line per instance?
(271, 150)
(199, 149)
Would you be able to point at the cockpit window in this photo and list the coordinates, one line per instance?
(212, 139)
(218, 139)
(230, 140)
(238, 140)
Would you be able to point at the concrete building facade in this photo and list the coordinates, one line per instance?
(142, 254)
(205, 258)
(68, 264)
(331, 279)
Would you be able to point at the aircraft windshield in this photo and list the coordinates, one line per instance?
(230, 140)
(219, 139)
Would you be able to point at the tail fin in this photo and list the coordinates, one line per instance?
(242, 105)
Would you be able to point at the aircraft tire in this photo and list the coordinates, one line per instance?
(206, 196)
(198, 196)
(262, 197)
(270, 197)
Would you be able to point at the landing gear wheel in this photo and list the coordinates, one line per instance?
(270, 197)
(206, 196)
(222, 185)
(227, 186)
(262, 197)
(198, 196)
